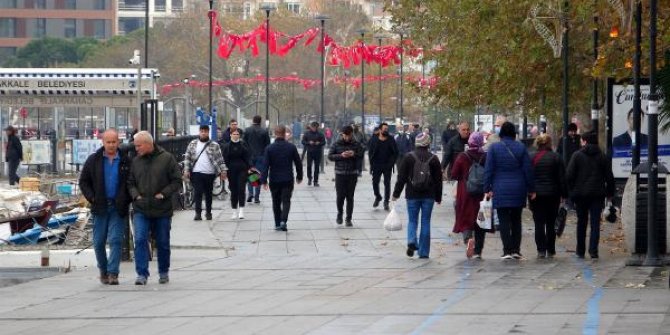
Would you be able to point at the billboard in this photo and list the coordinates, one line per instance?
(621, 134)
(484, 123)
(81, 149)
(36, 152)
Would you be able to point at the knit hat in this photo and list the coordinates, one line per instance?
(476, 141)
(422, 140)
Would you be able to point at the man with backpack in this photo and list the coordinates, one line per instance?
(421, 172)
(468, 170)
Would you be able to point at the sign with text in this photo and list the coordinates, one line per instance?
(67, 101)
(82, 149)
(71, 84)
(484, 123)
(36, 152)
(622, 135)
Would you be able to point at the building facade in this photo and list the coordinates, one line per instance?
(23, 20)
(131, 13)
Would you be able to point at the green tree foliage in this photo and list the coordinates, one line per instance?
(52, 52)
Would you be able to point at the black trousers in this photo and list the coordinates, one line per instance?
(345, 185)
(376, 177)
(479, 235)
(237, 180)
(313, 159)
(588, 211)
(281, 200)
(203, 184)
(510, 229)
(545, 210)
(13, 165)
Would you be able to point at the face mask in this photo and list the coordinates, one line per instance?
(497, 130)
(235, 140)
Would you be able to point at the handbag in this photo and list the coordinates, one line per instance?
(559, 225)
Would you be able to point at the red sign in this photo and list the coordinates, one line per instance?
(24, 112)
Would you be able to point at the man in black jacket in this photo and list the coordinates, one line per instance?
(346, 153)
(154, 178)
(313, 141)
(278, 160)
(103, 183)
(590, 180)
(383, 153)
(574, 143)
(455, 146)
(13, 155)
(448, 134)
(257, 138)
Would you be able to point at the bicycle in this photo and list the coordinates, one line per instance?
(186, 194)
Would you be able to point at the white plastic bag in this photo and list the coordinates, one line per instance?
(393, 222)
(484, 220)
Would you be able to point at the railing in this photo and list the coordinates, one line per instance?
(138, 7)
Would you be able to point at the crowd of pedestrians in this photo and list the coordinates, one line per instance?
(495, 168)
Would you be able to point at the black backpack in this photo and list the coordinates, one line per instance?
(475, 182)
(421, 180)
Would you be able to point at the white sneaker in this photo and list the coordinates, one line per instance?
(241, 214)
(234, 216)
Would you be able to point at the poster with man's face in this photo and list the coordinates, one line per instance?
(623, 135)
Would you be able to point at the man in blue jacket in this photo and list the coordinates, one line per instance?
(278, 158)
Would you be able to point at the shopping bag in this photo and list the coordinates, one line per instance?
(484, 219)
(560, 221)
(393, 221)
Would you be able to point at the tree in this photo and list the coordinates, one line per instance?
(52, 52)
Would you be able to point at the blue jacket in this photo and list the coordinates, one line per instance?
(278, 162)
(510, 178)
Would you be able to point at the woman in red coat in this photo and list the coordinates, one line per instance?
(467, 205)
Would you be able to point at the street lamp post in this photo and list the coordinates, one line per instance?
(267, 8)
(637, 99)
(362, 32)
(211, 22)
(346, 78)
(402, 34)
(146, 33)
(594, 106)
(379, 40)
(322, 19)
(564, 53)
(294, 74)
(652, 246)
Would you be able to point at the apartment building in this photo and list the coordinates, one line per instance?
(23, 20)
(131, 13)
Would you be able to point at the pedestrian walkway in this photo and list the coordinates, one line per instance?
(243, 277)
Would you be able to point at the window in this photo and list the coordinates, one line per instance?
(70, 4)
(40, 28)
(41, 4)
(70, 30)
(99, 28)
(247, 11)
(100, 5)
(159, 5)
(7, 27)
(294, 7)
(7, 3)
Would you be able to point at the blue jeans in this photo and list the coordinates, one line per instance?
(255, 191)
(161, 231)
(425, 206)
(108, 228)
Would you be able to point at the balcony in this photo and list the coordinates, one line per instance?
(131, 7)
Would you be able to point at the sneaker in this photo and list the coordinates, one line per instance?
(551, 254)
(348, 223)
(197, 217)
(249, 199)
(141, 280)
(277, 228)
(113, 279)
(283, 227)
(541, 255)
(423, 257)
(516, 255)
(594, 256)
(477, 256)
(376, 203)
(470, 250)
(208, 216)
(309, 182)
(164, 279)
(241, 213)
(506, 256)
(316, 184)
(410, 249)
(257, 201)
(234, 215)
(386, 206)
(339, 219)
(104, 278)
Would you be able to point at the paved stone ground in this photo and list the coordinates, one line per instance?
(242, 277)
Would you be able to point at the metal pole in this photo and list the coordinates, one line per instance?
(346, 77)
(211, 22)
(267, 65)
(637, 99)
(323, 64)
(379, 39)
(363, 86)
(39, 133)
(402, 89)
(652, 245)
(146, 34)
(293, 102)
(564, 53)
(594, 106)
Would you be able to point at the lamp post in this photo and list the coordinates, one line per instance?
(362, 32)
(594, 106)
(146, 33)
(346, 78)
(637, 99)
(295, 75)
(402, 34)
(267, 8)
(564, 54)
(211, 22)
(322, 19)
(652, 246)
(379, 40)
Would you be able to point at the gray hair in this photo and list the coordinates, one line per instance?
(145, 136)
